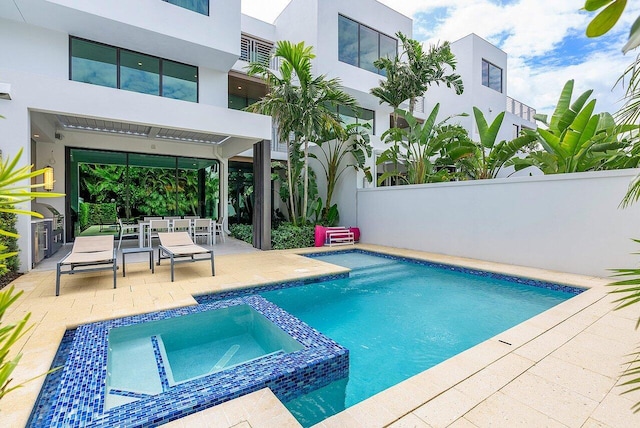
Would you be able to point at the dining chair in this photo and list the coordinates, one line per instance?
(172, 217)
(191, 217)
(181, 225)
(219, 229)
(156, 226)
(203, 227)
(151, 218)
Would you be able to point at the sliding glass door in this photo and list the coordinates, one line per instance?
(105, 186)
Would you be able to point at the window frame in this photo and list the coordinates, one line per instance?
(118, 65)
(378, 33)
(192, 10)
(487, 84)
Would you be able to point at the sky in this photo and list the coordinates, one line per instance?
(544, 41)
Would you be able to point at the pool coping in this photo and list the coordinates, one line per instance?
(583, 318)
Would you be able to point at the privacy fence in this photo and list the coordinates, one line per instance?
(565, 222)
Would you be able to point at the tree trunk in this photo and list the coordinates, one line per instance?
(306, 181)
(294, 218)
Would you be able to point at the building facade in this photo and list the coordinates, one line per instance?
(163, 84)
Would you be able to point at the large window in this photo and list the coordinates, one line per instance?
(200, 6)
(359, 115)
(491, 76)
(360, 45)
(114, 67)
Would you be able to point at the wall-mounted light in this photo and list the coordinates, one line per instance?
(5, 91)
(48, 178)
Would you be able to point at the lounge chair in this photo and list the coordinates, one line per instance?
(89, 253)
(179, 244)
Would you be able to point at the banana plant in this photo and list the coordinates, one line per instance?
(420, 149)
(490, 156)
(576, 139)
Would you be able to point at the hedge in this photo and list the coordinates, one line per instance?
(8, 223)
(284, 237)
(91, 214)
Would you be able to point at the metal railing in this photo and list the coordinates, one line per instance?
(520, 109)
(417, 108)
(256, 50)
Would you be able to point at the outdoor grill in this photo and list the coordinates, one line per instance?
(54, 227)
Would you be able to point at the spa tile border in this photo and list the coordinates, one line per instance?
(79, 396)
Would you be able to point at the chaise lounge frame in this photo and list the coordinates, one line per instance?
(88, 254)
(176, 245)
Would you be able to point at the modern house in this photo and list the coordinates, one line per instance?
(161, 85)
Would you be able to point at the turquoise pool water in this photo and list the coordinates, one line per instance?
(399, 318)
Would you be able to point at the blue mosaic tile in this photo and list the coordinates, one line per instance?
(164, 380)
(78, 398)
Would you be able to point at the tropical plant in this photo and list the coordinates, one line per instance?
(343, 148)
(629, 291)
(12, 192)
(418, 148)
(410, 75)
(575, 139)
(489, 155)
(9, 335)
(608, 17)
(301, 106)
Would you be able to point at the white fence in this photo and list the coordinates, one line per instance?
(566, 222)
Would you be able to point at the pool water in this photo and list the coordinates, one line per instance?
(399, 318)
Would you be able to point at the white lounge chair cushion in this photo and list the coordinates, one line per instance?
(91, 249)
(180, 243)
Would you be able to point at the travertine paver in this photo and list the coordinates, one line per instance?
(558, 369)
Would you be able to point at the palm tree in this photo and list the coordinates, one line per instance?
(412, 73)
(301, 105)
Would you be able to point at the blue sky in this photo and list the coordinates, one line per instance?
(544, 40)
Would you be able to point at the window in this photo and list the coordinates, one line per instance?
(114, 67)
(200, 6)
(139, 73)
(94, 63)
(359, 115)
(238, 102)
(491, 76)
(516, 131)
(179, 81)
(360, 45)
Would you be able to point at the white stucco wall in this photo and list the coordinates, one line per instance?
(151, 26)
(568, 222)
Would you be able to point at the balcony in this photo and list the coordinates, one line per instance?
(256, 50)
(521, 110)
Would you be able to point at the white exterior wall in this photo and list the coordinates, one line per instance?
(469, 52)
(150, 26)
(566, 222)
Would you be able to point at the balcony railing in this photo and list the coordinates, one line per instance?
(256, 50)
(520, 109)
(417, 108)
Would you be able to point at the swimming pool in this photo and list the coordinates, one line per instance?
(398, 318)
(73, 397)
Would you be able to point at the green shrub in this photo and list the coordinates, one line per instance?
(8, 223)
(284, 237)
(83, 215)
(243, 232)
(290, 236)
(103, 213)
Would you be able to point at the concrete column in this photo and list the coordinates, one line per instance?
(262, 195)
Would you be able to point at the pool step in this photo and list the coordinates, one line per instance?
(225, 358)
